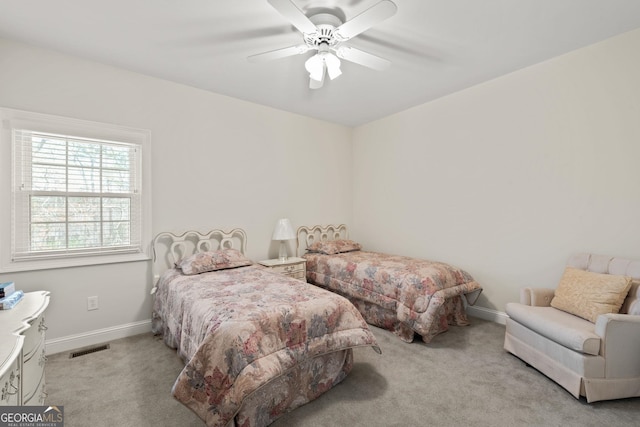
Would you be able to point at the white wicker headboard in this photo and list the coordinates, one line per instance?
(169, 248)
(317, 233)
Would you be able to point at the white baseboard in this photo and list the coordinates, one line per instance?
(99, 336)
(487, 314)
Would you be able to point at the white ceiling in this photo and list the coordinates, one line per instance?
(436, 46)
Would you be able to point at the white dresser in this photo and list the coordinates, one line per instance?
(22, 352)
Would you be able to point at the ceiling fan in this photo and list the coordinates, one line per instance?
(326, 33)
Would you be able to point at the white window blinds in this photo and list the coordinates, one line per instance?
(74, 196)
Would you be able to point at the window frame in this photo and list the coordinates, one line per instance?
(11, 120)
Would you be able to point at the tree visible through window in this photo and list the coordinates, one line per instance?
(79, 195)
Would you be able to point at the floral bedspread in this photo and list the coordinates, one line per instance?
(238, 329)
(419, 293)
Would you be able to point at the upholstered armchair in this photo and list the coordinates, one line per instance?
(589, 354)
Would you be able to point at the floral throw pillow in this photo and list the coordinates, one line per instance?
(331, 247)
(213, 260)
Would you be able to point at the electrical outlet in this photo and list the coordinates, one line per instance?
(92, 303)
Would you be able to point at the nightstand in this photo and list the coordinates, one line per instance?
(292, 267)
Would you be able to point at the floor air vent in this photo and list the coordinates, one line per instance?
(88, 350)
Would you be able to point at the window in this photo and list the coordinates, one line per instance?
(74, 196)
(78, 192)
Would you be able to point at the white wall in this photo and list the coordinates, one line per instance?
(508, 178)
(505, 179)
(216, 162)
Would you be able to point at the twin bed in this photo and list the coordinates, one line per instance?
(257, 344)
(405, 295)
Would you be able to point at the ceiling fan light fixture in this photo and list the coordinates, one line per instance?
(333, 65)
(315, 67)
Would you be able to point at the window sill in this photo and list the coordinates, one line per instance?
(13, 267)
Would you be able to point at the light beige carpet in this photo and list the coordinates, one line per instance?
(463, 378)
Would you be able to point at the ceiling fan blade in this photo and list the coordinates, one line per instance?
(363, 58)
(279, 53)
(294, 15)
(367, 19)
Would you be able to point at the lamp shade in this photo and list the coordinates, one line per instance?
(315, 67)
(318, 63)
(333, 65)
(284, 230)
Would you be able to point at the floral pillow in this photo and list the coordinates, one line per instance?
(331, 247)
(212, 261)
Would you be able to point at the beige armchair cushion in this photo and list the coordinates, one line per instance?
(587, 294)
(561, 327)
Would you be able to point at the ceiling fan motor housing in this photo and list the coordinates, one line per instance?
(325, 35)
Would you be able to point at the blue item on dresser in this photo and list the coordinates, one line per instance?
(9, 302)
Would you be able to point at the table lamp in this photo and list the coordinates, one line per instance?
(283, 232)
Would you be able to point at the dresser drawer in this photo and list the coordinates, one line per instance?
(36, 396)
(289, 269)
(10, 385)
(300, 274)
(33, 376)
(292, 267)
(33, 336)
